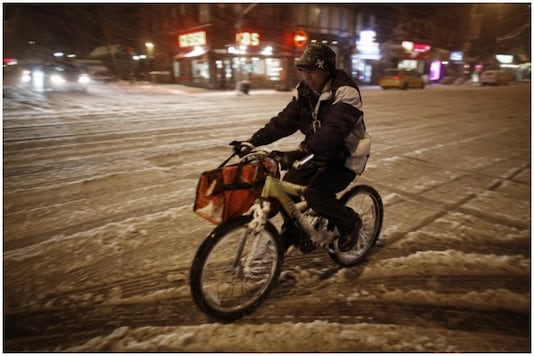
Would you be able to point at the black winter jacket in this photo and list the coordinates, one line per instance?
(338, 111)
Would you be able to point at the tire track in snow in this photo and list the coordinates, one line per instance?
(125, 283)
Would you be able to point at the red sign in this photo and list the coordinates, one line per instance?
(421, 47)
(300, 39)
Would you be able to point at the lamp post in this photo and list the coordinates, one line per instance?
(150, 54)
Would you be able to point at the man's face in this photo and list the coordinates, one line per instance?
(315, 79)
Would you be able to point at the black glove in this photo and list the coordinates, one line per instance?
(242, 148)
(286, 159)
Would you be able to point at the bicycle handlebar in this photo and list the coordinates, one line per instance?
(265, 152)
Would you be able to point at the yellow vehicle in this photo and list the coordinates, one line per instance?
(401, 79)
(495, 77)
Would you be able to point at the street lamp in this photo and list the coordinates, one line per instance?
(150, 49)
(150, 54)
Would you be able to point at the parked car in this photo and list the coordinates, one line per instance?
(495, 77)
(54, 77)
(401, 79)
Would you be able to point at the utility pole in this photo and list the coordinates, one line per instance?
(243, 84)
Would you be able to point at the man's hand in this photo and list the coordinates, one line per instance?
(286, 159)
(242, 148)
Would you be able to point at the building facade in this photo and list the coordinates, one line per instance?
(219, 45)
(231, 43)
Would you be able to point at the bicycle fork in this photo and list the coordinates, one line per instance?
(259, 211)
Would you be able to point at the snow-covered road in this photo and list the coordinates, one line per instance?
(99, 233)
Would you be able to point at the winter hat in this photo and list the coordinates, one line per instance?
(317, 56)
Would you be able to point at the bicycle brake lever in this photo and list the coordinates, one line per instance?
(302, 162)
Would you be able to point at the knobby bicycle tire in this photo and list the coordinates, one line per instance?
(365, 201)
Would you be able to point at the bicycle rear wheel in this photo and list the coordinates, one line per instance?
(365, 201)
(234, 271)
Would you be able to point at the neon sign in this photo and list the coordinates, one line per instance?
(415, 47)
(367, 46)
(457, 56)
(192, 39)
(504, 58)
(247, 39)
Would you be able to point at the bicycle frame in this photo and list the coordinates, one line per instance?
(281, 191)
(238, 263)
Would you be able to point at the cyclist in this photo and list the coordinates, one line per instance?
(328, 111)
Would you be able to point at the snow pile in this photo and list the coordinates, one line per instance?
(317, 336)
(99, 230)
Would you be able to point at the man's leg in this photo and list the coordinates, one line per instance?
(321, 196)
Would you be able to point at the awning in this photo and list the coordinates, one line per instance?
(275, 54)
(195, 52)
(104, 51)
(441, 54)
(419, 56)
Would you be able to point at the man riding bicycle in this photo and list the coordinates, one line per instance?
(328, 111)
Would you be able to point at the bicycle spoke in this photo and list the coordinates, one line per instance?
(239, 269)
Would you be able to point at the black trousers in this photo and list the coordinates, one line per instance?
(322, 185)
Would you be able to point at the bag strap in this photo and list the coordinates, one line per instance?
(236, 184)
(227, 160)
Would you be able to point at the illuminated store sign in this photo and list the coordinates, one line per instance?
(457, 56)
(504, 58)
(192, 39)
(247, 39)
(415, 47)
(367, 46)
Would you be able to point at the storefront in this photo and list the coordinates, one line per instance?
(366, 58)
(440, 65)
(406, 55)
(416, 56)
(223, 64)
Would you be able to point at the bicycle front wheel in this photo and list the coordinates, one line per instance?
(365, 201)
(234, 271)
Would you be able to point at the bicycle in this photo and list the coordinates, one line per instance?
(239, 262)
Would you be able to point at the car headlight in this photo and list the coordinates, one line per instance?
(83, 79)
(57, 79)
(26, 76)
(37, 79)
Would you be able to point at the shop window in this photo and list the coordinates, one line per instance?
(258, 66)
(241, 68)
(408, 64)
(255, 68)
(274, 68)
(201, 70)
